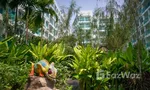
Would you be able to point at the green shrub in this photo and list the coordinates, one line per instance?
(63, 74)
(13, 77)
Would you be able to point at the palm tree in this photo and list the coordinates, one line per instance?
(14, 5)
(112, 8)
(133, 14)
(1, 25)
(37, 16)
(98, 18)
(29, 7)
(5, 5)
(80, 35)
(34, 14)
(73, 9)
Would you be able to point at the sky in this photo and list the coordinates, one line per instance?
(86, 4)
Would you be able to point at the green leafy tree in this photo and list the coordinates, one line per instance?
(73, 9)
(80, 36)
(5, 5)
(86, 64)
(99, 22)
(37, 17)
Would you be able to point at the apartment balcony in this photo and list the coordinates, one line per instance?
(133, 42)
(146, 20)
(142, 1)
(146, 8)
(147, 33)
(148, 45)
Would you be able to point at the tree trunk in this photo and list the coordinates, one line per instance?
(42, 29)
(16, 18)
(27, 26)
(7, 19)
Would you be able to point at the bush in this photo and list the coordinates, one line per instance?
(63, 74)
(13, 77)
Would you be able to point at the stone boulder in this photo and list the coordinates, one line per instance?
(74, 84)
(39, 83)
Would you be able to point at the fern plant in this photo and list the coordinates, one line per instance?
(50, 53)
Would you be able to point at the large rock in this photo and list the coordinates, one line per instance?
(39, 83)
(74, 84)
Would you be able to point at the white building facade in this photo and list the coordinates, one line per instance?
(51, 27)
(144, 23)
(83, 21)
(99, 21)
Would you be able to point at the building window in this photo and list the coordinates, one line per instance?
(81, 25)
(1, 10)
(46, 23)
(47, 15)
(46, 34)
(87, 19)
(102, 28)
(81, 19)
(52, 21)
(50, 37)
(87, 25)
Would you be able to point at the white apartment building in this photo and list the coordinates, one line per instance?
(83, 21)
(145, 15)
(95, 22)
(144, 23)
(51, 27)
(99, 21)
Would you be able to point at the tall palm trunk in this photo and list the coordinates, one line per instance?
(139, 60)
(16, 18)
(42, 29)
(27, 20)
(7, 19)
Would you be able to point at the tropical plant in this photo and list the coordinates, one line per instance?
(54, 53)
(5, 5)
(71, 10)
(37, 17)
(112, 9)
(1, 25)
(12, 53)
(99, 21)
(13, 77)
(79, 33)
(51, 53)
(13, 65)
(63, 75)
(130, 56)
(125, 62)
(69, 40)
(86, 64)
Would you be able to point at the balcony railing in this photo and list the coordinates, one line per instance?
(133, 41)
(146, 20)
(143, 10)
(148, 44)
(141, 0)
(147, 32)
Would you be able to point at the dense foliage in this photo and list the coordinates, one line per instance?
(73, 62)
(84, 65)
